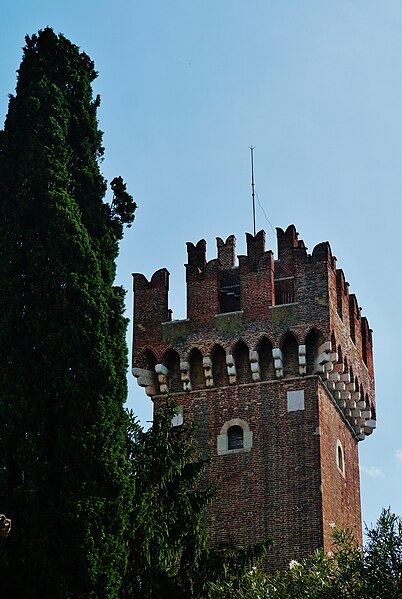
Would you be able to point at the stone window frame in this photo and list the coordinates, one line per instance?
(222, 438)
(340, 463)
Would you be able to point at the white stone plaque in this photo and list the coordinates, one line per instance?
(295, 400)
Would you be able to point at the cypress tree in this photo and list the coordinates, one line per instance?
(64, 479)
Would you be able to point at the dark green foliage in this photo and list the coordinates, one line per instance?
(167, 537)
(169, 556)
(383, 558)
(123, 205)
(64, 475)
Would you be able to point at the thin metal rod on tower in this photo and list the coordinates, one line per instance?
(252, 185)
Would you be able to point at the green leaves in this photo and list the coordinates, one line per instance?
(383, 557)
(348, 573)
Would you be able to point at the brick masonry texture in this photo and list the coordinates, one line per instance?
(288, 485)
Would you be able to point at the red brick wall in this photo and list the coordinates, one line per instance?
(257, 285)
(340, 493)
(272, 491)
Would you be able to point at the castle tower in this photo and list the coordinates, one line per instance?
(274, 362)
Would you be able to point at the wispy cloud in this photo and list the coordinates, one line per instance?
(372, 471)
(398, 455)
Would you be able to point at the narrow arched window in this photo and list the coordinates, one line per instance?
(172, 363)
(148, 360)
(242, 362)
(219, 368)
(364, 343)
(266, 360)
(235, 437)
(340, 461)
(340, 458)
(312, 343)
(196, 369)
(356, 384)
(333, 343)
(290, 353)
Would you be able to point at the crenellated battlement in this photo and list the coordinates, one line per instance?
(259, 300)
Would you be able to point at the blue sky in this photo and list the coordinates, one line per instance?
(315, 86)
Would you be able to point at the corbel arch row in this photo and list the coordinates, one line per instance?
(229, 364)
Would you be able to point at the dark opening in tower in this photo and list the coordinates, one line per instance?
(196, 369)
(284, 291)
(219, 368)
(312, 343)
(242, 362)
(230, 290)
(290, 356)
(266, 360)
(235, 437)
(172, 363)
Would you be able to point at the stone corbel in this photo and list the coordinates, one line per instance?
(334, 357)
(185, 376)
(324, 347)
(163, 374)
(255, 365)
(231, 368)
(207, 365)
(334, 376)
(321, 360)
(302, 359)
(369, 426)
(278, 362)
(145, 378)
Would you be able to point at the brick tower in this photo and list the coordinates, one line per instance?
(274, 362)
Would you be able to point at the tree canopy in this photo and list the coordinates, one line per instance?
(63, 357)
